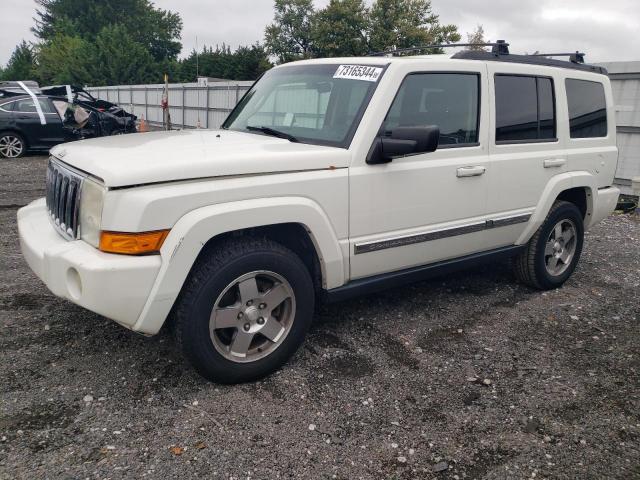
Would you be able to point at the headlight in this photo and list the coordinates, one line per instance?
(91, 200)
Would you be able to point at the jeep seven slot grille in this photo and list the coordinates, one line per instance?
(63, 198)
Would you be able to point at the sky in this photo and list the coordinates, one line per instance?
(604, 30)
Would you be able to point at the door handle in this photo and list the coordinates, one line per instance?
(554, 162)
(473, 171)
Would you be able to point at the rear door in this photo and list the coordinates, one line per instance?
(525, 148)
(6, 115)
(27, 121)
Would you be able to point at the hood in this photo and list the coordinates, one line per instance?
(155, 157)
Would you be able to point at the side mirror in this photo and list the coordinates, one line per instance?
(403, 141)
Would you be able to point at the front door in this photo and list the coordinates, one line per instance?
(423, 208)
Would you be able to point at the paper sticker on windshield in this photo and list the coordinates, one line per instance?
(358, 72)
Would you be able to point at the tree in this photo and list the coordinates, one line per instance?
(289, 36)
(113, 58)
(245, 63)
(250, 62)
(155, 29)
(348, 28)
(476, 39)
(407, 23)
(340, 29)
(65, 60)
(21, 64)
(119, 59)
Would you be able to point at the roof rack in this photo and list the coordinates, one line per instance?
(500, 53)
(529, 60)
(575, 57)
(499, 48)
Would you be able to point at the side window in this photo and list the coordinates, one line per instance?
(27, 106)
(587, 108)
(546, 109)
(24, 106)
(8, 107)
(46, 105)
(525, 109)
(448, 100)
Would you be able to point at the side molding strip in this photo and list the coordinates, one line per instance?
(439, 234)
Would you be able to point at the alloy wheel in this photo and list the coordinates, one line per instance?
(252, 316)
(11, 146)
(560, 247)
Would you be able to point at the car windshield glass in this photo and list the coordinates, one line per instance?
(320, 104)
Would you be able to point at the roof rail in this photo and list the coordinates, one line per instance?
(575, 57)
(500, 53)
(527, 59)
(499, 48)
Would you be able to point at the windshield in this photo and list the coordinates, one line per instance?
(320, 104)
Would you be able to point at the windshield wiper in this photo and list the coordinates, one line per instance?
(273, 132)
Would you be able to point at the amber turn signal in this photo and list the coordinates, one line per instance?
(132, 243)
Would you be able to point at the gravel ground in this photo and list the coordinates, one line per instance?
(469, 376)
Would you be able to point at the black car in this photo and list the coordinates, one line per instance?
(22, 130)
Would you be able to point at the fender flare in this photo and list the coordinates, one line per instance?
(552, 190)
(191, 232)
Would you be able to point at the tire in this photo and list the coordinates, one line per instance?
(534, 266)
(213, 341)
(12, 145)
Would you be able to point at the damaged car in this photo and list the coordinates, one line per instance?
(34, 119)
(76, 94)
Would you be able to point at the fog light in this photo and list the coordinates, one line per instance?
(74, 283)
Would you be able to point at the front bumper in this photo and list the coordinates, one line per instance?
(115, 286)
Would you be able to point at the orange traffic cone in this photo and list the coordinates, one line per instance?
(142, 126)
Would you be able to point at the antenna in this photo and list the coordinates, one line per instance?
(197, 63)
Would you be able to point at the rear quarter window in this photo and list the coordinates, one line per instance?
(587, 108)
(7, 107)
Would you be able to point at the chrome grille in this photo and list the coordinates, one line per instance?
(63, 198)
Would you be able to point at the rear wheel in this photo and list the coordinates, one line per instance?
(553, 252)
(244, 310)
(12, 145)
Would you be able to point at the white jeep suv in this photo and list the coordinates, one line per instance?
(331, 178)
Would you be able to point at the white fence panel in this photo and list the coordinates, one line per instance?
(625, 83)
(190, 104)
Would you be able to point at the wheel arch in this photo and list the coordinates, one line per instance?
(578, 188)
(581, 197)
(294, 236)
(298, 223)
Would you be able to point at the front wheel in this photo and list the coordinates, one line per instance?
(244, 310)
(12, 145)
(553, 252)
